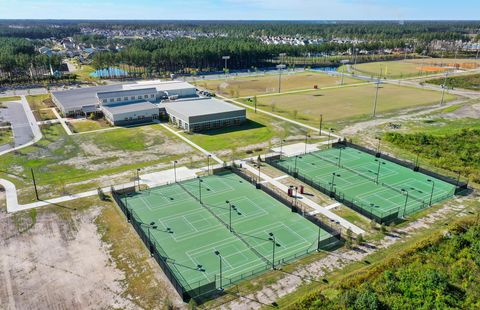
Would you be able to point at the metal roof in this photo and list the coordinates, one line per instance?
(160, 85)
(75, 99)
(199, 106)
(127, 92)
(129, 107)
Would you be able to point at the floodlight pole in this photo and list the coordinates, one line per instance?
(431, 193)
(376, 98)
(320, 126)
(281, 148)
(378, 170)
(274, 242)
(319, 238)
(296, 157)
(406, 201)
(34, 183)
(175, 170)
(200, 189)
(220, 260)
(378, 146)
(306, 140)
(208, 163)
(333, 181)
(226, 58)
(280, 67)
(443, 88)
(340, 156)
(138, 178)
(230, 209)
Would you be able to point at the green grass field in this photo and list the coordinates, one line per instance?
(187, 233)
(377, 186)
(11, 98)
(345, 103)
(265, 84)
(88, 125)
(6, 136)
(471, 82)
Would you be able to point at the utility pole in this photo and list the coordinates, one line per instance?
(376, 98)
(320, 127)
(225, 69)
(444, 87)
(34, 183)
(280, 67)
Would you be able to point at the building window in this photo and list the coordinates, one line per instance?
(146, 96)
(152, 96)
(112, 100)
(132, 98)
(119, 99)
(125, 98)
(104, 100)
(139, 97)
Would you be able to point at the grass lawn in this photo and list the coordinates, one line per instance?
(392, 69)
(41, 101)
(256, 136)
(471, 82)
(11, 98)
(6, 136)
(258, 85)
(88, 125)
(59, 159)
(348, 103)
(84, 73)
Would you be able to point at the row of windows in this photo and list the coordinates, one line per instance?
(216, 124)
(119, 99)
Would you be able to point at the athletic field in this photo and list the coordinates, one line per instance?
(266, 84)
(349, 102)
(380, 188)
(187, 234)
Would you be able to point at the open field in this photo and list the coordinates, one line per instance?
(471, 82)
(413, 67)
(88, 125)
(41, 106)
(6, 136)
(254, 137)
(383, 190)
(190, 220)
(11, 98)
(352, 102)
(259, 85)
(64, 163)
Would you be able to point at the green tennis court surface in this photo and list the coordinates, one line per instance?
(352, 175)
(187, 234)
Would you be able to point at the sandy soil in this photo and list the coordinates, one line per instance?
(56, 264)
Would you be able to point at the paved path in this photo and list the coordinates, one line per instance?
(332, 216)
(150, 179)
(24, 125)
(62, 121)
(214, 157)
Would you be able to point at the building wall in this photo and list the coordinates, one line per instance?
(131, 117)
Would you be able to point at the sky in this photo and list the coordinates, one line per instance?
(242, 9)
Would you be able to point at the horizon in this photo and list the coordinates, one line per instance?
(247, 10)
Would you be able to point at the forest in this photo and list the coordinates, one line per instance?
(440, 272)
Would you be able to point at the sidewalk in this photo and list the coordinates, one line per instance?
(151, 179)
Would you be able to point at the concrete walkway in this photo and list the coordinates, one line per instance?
(62, 121)
(150, 179)
(214, 157)
(320, 210)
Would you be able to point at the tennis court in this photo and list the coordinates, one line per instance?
(188, 223)
(380, 188)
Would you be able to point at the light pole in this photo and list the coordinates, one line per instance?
(274, 243)
(333, 181)
(200, 189)
(230, 207)
(306, 140)
(296, 157)
(148, 226)
(320, 125)
(225, 69)
(220, 260)
(281, 147)
(208, 163)
(329, 134)
(175, 170)
(406, 201)
(339, 156)
(444, 87)
(376, 98)
(138, 179)
(280, 67)
(378, 145)
(431, 193)
(319, 238)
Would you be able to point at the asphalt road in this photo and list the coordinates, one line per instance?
(16, 115)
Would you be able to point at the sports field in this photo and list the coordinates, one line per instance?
(381, 188)
(265, 84)
(344, 103)
(187, 233)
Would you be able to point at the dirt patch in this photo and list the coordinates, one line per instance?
(466, 111)
(57, 264)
